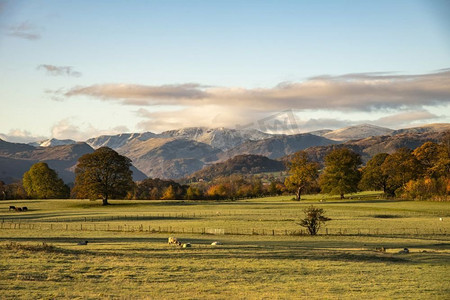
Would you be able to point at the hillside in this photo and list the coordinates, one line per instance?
(221, 138)
(169, 157)
(119, 140)
(279, 146)
(16, 159)
(368, 147)
(356, 132)
(240, 164)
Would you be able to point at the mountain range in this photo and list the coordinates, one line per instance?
(179, 153)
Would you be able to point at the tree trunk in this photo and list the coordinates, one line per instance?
(105, 201)
(298, 194)
(342, 196)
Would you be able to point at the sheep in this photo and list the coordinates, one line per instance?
(82, 243)
(405, 250)
(186, 245)
(173, 240)
(216, 243)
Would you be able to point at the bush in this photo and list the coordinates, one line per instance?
(314, 219)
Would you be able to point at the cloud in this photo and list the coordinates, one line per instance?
(407, 118)
(59, 70)
(133, 94)
(24, 30)
(20, 136)
(357, 92)
(66, 129)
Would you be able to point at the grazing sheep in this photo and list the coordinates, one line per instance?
(216, 243)
(187, 245)
(405, 250)
(82, 243)
(173, 240)
(12, 207)
(441, 219)
(24, 208)
(18, 208)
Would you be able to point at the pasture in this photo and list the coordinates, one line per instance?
(263, 255)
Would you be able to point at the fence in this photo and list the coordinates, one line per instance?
(60, 226)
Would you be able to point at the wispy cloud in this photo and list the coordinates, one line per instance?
(59, 70)
(20, 136)
(70, 129)
(24, 30)
(133, 94)
(358, 92)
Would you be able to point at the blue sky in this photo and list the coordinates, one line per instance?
(77, 69)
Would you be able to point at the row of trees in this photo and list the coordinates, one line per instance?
(419, 174)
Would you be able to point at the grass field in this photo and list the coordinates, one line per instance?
(140, 264)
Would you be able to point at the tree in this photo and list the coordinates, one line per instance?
(314, 218)
(193, 193)
(400, 167)
(372, 174)
(428, 156)
(303, 173)
(42, 182)
(169, 193)
(341, 174)
(2, 190)
(103, 173)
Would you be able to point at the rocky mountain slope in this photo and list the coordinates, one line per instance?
(52, 142)
(221, 138)
(119, 140)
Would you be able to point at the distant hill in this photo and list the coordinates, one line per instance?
(52, 143)
(357, 132)
(179, 153)
(240, 164)
(368, 147)
(169, 157)
(278, 146)
(16, 159)
(436, 127)
(119, 140)
(221, 138)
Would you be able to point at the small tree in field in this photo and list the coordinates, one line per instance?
(314, 219)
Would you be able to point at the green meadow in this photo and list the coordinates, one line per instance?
(264, 253)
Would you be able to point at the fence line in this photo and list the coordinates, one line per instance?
(216, 231)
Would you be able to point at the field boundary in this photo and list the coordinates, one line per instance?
(58, 226)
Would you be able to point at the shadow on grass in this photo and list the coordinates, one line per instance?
(157, 248)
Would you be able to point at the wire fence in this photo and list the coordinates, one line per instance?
(61, 226)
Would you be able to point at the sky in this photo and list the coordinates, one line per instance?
(80, 69)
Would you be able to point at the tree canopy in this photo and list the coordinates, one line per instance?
(341, 174)
(372, 174)
(43, 183)
(303, 173)
(400, 167)
(103, 174)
